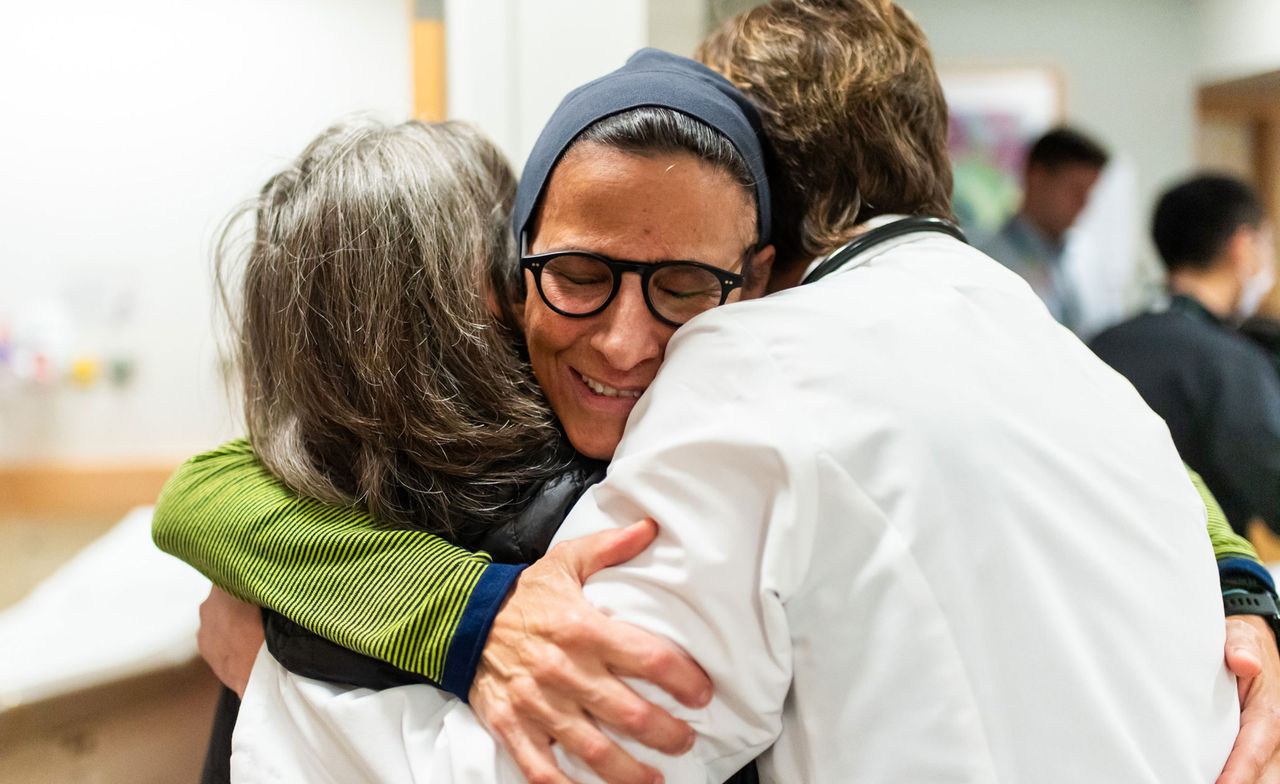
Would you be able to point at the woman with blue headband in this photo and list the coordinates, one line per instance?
(645, 202)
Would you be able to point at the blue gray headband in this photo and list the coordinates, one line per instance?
(650, 77)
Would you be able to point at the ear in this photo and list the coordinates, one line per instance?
(491, 302)
(518, 306)
(758, 275)
(1034, 176)
(1240, 252)
(508, 311)
(517, 315)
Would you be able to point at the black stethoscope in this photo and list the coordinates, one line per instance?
(841, 256)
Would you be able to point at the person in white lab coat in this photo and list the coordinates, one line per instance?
(879, 571)
(912, 529)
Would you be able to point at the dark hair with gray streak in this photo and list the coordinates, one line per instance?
(656, 129)
(646, 130)
(374, 373)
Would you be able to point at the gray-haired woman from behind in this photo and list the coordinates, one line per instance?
(373, 369)
(375, 373)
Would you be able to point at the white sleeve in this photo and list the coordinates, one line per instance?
(293, 729)
(711, 456)
(707, 456)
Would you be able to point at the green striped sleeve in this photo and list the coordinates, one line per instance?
(406, 597)
(1237, 560)
(1226, 542)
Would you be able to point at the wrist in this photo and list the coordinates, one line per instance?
(1261, 605)
(473, 627)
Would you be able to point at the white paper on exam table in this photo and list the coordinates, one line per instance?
(119, 608)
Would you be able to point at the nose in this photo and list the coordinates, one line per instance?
(628, 335)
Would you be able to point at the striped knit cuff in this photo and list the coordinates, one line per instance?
(473, 627)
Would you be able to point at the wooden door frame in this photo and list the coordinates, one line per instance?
(1254, 102)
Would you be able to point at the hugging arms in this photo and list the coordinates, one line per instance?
(563, 367)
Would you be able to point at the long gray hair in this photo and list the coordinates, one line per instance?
(374, 373)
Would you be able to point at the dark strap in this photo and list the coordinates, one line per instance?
(306, 653)
(748, 775)
(865, 242)
(217, 759)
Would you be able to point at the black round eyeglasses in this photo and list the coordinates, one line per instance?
(580, 283)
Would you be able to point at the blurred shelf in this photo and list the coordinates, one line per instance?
(34, 548)
(148, 729)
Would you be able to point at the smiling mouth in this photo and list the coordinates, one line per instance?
(604, 390)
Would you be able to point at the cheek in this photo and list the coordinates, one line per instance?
(1069, 205)
(538, 336)
(548, 335)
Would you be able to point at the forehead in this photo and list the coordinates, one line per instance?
(643, 207)
(1074, 174)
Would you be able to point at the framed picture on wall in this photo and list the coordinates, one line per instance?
(994, 113)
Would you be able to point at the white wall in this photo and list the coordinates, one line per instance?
(129, 129)
(677, 25)
(511, 61)
(1239, 38)
(1129, 69)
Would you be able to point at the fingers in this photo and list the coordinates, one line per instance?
(528, 745)
(551, 669)
(626, 649)
(1251, 656)
(533, 757)
(527, 722)
(581, 738)
(590, 554)
(565, 723)
(629, 714)
(1244, 648)
(555, 612)
(228, 638)
(1250, 753)
(633, 652)
(584, 684)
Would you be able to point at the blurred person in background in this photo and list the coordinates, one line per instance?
(1062, 167)
(1218, 391)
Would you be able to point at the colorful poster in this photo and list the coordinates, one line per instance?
(994, 114)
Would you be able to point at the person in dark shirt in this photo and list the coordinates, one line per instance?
(1216, 389)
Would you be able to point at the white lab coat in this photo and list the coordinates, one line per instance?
(912, 529)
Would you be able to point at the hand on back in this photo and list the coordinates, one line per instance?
(552, 667)
(229, 638)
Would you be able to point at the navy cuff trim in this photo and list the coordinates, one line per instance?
(1244, 566)
(473, 627)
